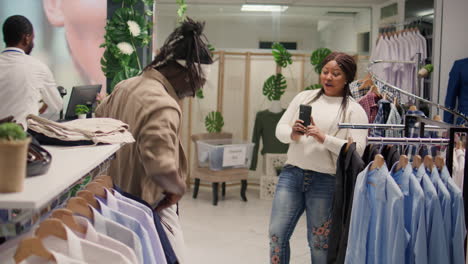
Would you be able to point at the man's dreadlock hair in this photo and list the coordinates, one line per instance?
(188, 43)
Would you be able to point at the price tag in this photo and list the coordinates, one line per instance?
(234, 156)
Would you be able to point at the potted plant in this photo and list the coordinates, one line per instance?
(81, 111)
(13, 157)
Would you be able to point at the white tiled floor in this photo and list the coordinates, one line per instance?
(233, 231)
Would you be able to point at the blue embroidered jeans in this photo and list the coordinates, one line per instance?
(297, 191)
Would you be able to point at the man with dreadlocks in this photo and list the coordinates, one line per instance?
(155, 167)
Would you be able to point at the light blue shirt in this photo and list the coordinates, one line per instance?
(132, 224)
(376, 223)
(436, 253)
(445, 203)
(457, 237)
(414, 213)
(118, 232)
(143, 218)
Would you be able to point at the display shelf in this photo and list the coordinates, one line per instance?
(70, 170)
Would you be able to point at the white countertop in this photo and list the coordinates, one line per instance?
(69, 164)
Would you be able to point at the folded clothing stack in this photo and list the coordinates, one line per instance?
(88, 131)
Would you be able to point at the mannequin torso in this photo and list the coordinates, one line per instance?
(275, 107)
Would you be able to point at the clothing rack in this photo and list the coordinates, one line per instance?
(386, 126)
(416, 121)
(403, 140)
(417, 64)
(418, 19)
(375, 77)
(393, 61)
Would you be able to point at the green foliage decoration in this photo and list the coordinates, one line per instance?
(317, 57)
(11, 132)
(214, 122)
(181, 10)
(200, 94)
(274, 87)
(281, 55)
(81, 109)
(126, 31)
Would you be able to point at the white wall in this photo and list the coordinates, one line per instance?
(450, 41)
(339, 36)
(245, 33)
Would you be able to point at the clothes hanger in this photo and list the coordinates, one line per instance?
(97, 189)
(51, 227)
(89, 198)
(66, 216)
(348, 144)
(402, 162)
(428, 162)
(417, 160)
(439, 162)
(107, 180)
(379, 161)
(80, 206)
(366, 82)
(413, 108)
(374, 89)
(32, 246)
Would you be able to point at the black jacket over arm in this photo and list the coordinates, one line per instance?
(349, 165)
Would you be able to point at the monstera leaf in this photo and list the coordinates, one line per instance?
(281, 55)
(214, 122)
(274, 87)
(317, 57)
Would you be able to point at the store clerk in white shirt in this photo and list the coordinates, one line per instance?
(27, 85)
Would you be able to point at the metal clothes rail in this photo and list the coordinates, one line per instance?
(375, 77)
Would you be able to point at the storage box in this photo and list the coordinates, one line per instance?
(220, 154)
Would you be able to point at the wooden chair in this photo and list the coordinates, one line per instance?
(216, 177)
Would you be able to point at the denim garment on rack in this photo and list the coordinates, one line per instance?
(393, 117)
(436, 253)
(445, 202)
(414, 214)
(457, 238)
(377, 233)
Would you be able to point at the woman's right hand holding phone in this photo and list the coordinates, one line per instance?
(298, 130)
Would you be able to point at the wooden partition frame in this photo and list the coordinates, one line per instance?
(219, 104)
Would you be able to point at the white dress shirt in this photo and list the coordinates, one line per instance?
(83, 250)
(59, 259)
(92, 235)
(24, 82)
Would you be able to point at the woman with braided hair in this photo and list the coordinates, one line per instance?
(307, 181)
(154, 168)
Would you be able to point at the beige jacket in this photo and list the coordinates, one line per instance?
(156, 162)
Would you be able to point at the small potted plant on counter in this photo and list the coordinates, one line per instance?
(13, 157)
(81, 111)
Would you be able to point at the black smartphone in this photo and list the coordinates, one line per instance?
(305, 111)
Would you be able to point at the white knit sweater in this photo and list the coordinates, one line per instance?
(309, 154)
